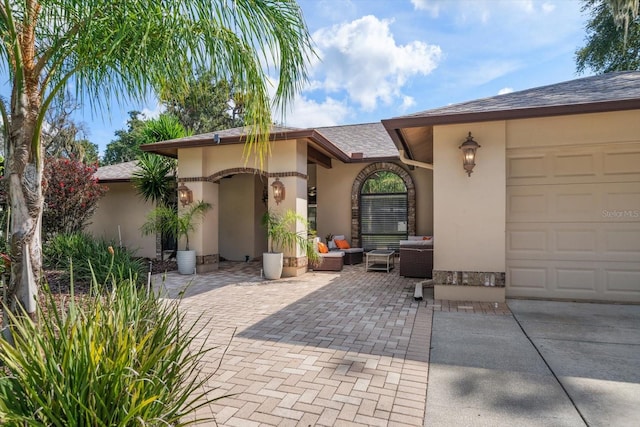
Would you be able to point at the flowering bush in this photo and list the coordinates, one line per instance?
(71, 195)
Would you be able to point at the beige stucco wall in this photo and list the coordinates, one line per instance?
(121, 206)
(240, 209)
(581, 129)
(334, 198)
(469, 212)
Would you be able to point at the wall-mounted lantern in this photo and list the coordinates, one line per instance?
(185, 195)
(278, 191)
(469, 148)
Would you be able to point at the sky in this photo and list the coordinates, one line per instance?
(379, 59)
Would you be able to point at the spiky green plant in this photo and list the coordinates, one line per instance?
(121, 358)
(282, 235)
(90, 257)
(176, 224)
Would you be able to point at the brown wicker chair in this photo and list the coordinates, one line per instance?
(332, 261)
(416, 259)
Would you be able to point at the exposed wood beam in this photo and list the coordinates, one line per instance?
(318, 158)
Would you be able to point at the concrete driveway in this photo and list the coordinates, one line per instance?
(551, 363)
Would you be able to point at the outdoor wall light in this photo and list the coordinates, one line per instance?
(185, 195)
(278, 191)
(469, 148)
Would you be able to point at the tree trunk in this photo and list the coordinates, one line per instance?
(24, 170)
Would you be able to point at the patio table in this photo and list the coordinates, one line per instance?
(380, 259)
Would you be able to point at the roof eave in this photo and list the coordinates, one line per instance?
(509, 114)
(170, 148)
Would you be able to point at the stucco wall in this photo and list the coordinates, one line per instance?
(622, 126)
(121, 206)
(240, 210)
(469, 212)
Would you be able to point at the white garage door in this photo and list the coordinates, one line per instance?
(573, 222)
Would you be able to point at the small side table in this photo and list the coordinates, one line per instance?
(380, 260)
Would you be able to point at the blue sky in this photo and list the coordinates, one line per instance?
(385, 58)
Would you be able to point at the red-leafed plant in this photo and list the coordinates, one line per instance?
(71, 195)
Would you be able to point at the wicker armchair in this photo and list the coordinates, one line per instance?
(416, 258)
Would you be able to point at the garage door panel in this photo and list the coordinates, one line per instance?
(624, 239)
(622, 203)
(575, 165)
(583, 240)
(573, 222)
(527, 240)
(593, 242)
(574, 203)
(527, 277)
(620, 280)
(583, 279)
(612, 162)
(613, 281)
(621, 162)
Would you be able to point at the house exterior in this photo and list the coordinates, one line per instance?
(552, 208)
(333, 161)
(121, 211)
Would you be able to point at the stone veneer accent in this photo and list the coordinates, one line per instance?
(473, 278)
(355, 197)
(208, 262)
(294, 262)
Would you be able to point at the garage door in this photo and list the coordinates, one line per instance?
(573, 222)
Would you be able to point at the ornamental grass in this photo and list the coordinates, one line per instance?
(121, 357)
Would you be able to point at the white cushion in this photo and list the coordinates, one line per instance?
(416, 241)
(333, 254)
(352, 250)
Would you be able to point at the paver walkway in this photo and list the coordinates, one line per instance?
(348, 348)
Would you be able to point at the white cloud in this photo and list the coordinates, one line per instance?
(153, 112)
(431, 6)
(363, 59)
(548, 7)
(505, 90)
(407, 102)
(306, 113)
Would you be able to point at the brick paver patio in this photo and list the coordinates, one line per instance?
(348, 348)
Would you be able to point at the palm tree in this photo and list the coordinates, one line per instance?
(155, 180)
(164, 219)
(123, 49)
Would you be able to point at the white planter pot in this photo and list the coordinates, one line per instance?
(272, 265)
(186, 262)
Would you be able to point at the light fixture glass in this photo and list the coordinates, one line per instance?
(469, 147)
(185, 195)
(278, 191)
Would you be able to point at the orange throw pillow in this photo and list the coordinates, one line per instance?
(322, 248)
(426, 238)
(342, 244)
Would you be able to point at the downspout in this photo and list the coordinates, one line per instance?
(410, 162)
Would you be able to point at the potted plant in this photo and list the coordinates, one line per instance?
(177, 224)
(281, 235)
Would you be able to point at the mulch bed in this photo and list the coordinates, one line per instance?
(58, 283)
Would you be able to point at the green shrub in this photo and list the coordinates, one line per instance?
(89, 254)
(121, 358)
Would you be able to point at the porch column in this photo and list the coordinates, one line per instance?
(288, 163)
(204, 239)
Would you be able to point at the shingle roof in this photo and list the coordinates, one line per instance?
(232, 132)
(118, 172)
(370, 139)
(609, 87)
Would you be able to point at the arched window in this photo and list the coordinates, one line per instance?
(383, 211)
